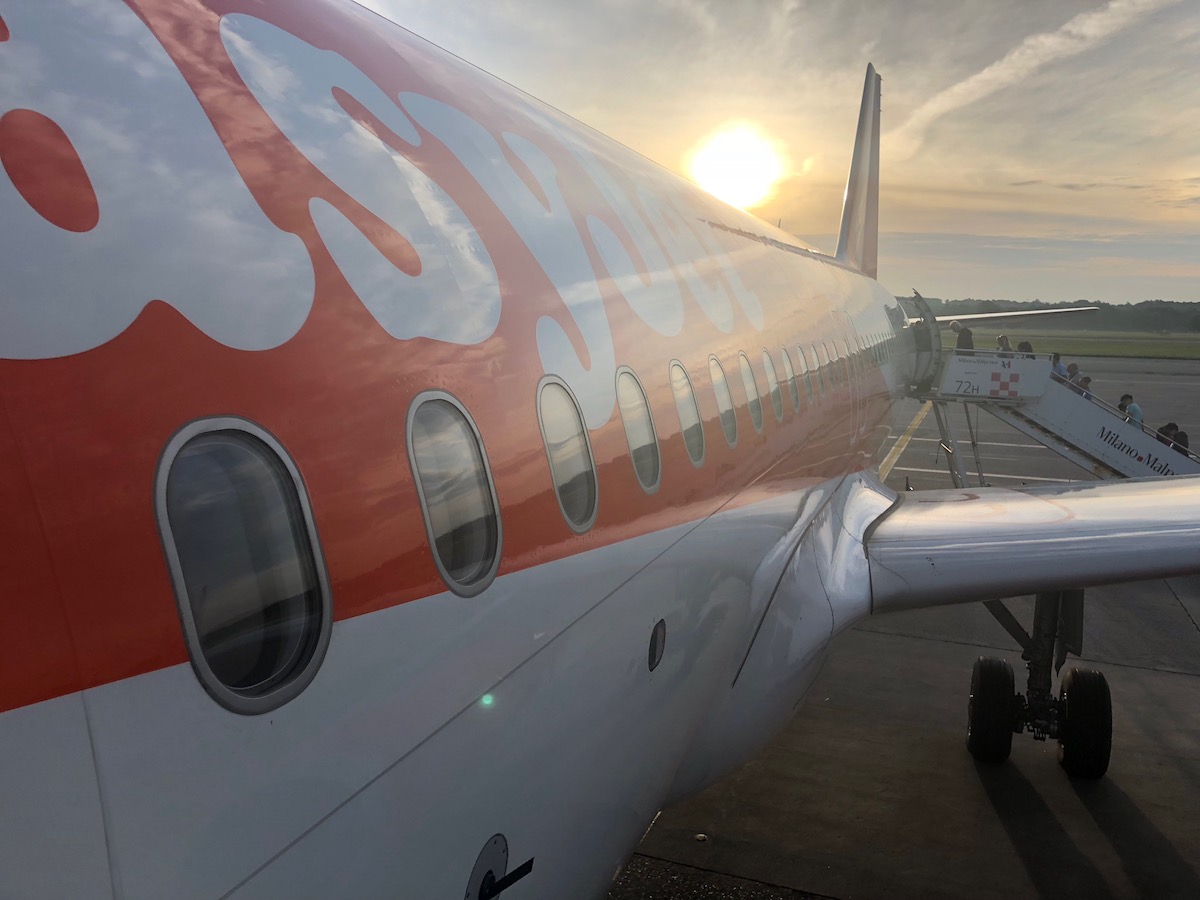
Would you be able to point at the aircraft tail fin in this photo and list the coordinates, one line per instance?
(858, 240)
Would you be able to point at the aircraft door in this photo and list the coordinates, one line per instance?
(927, 340)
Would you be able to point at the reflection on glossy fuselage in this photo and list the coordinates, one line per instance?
(473, 359)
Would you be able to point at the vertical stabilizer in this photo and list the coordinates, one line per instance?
(858, 240)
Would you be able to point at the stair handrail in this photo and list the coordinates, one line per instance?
(1090, 397)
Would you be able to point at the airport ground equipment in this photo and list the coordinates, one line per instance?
(1019, 390)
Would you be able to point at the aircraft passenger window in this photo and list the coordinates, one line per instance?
(689, 413)
(806, 368)
(455, 487)
(790, 376)
(639, 429)
(240, 544)
(751, 387)
(823, 376)
(773, 386)
(835, 375)
(570, 453)
(724, 400)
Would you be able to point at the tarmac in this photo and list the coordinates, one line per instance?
(870, 792)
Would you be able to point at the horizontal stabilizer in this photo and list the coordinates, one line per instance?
(858, 239)
(958, 546)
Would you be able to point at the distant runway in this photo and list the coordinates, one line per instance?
(870, 791)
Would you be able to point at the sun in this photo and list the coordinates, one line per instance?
(737, 163)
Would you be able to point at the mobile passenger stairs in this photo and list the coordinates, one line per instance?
(1019, 390)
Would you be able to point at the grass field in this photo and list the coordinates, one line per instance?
(1149, 345)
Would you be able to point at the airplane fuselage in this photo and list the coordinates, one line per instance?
(387, 287)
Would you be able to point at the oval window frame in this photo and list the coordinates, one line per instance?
(790, 372)
(587, 524)
(481, 584)
(755, 401)
(713, 361)
(806, 375)
(774, 388)
(625, 370)
(695, 405)
(224, 695)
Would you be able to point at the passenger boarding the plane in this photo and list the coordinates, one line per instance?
(1004, 346)
(1168, 432)
(1057, 368)
(966, 341)
(1131, 408)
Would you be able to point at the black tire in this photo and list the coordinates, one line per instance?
(1085, 724)
(990, 710)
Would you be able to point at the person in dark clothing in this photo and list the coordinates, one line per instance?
(1026, 348)
(966, 341)
(1181, 442)
(1167, 433)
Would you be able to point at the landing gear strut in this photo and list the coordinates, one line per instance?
(1080, 718)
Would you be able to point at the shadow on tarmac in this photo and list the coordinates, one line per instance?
(1055, 865)
(1149, 859)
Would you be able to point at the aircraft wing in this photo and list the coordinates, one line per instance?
(956, 546)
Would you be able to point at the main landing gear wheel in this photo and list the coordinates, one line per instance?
(990, 710)
(1085, 726)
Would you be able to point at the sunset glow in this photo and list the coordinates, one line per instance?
(737, 164)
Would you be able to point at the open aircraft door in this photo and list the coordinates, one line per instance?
(927, 340)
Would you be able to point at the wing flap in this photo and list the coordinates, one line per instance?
(958, 546)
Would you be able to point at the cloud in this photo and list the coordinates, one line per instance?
(1081, 33)
(1182, 202)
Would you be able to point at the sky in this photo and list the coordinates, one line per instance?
(1029, 150)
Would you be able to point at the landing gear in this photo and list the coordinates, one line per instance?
(990, 711)
(1080, 718)
(1085, 724)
